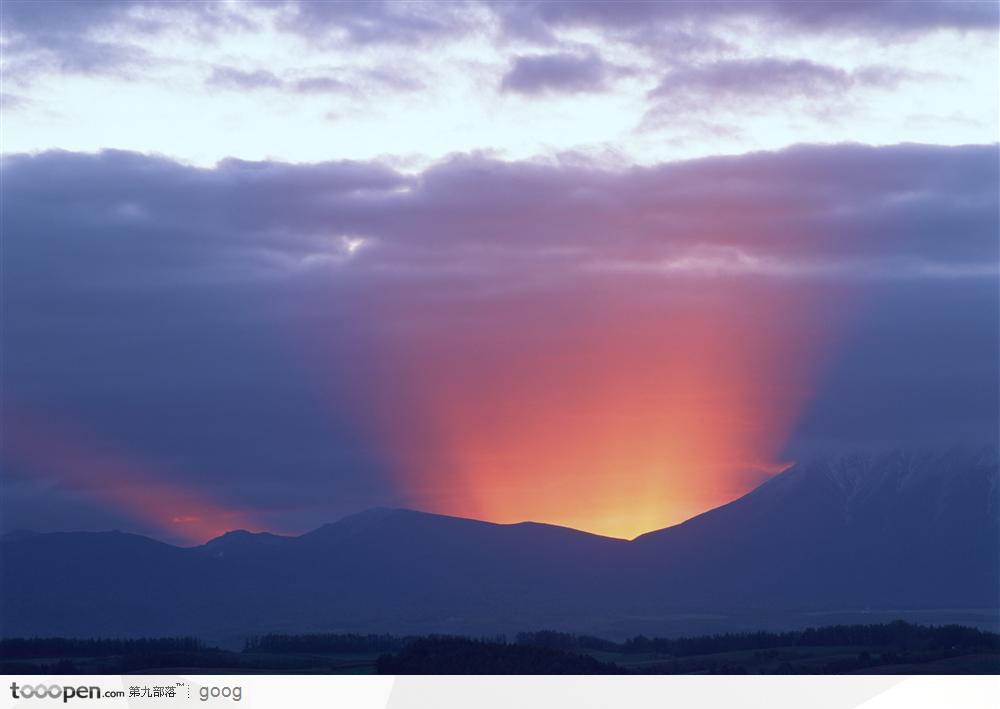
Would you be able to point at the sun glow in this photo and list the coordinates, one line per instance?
(72, 460)
(617, 409)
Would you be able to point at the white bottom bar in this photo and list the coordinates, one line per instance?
(503, 692)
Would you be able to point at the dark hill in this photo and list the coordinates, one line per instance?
(864, 534)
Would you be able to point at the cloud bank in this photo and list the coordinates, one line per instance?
(248, 326)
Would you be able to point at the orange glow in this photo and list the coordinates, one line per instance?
(616, 409)
(83, 465)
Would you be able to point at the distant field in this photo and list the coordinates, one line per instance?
(893, 648)
(800, 660)
(199, 662)
(981, 664)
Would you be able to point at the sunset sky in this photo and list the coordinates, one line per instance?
(598, 264)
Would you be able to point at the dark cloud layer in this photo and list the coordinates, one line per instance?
(841, 206)
(227, 323)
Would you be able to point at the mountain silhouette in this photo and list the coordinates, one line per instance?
(898, 531)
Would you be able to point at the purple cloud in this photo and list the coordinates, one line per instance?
(753, 77)
(320, 84)
(72, 36)
(810, 212)
(756, 82)
(542, 18)
(558, 73)
(376, 21)
(226, 77)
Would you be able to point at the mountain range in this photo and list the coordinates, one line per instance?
(894, 533)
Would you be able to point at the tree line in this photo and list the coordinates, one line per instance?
(852, 648)
(28, 648)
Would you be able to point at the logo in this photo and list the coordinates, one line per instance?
(55, 691)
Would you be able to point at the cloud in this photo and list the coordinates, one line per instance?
(634, 17)
(730, 261)
(558, 73)
(761, 82)
(104, 36)
(349, 81)
(845, 203)
(246, 327)
(368, 22)
(74, 55)
(101, 36)
(320, 84)
(68, 33)
(753, 77)
(888, 15)
(11, 102)
(233, 78)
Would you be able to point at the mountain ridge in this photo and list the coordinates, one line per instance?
(836, 468)
(919, 533)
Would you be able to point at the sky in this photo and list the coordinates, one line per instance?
(604, 265)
